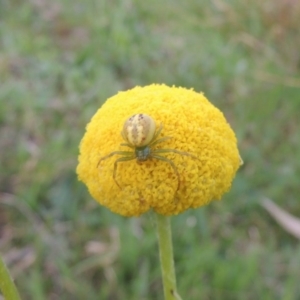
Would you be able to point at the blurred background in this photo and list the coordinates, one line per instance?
(59, 62)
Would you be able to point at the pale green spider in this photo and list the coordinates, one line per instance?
(139, 131)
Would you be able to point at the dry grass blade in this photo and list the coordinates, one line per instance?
(290, 223)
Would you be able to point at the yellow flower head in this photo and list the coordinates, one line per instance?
(206, 166)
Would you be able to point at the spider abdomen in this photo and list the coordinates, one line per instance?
(139, 130)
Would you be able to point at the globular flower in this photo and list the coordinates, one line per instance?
(195, 126)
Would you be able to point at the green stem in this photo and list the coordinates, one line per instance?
(7, 285)
(166, 257)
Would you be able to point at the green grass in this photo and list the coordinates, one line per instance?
(60, 60)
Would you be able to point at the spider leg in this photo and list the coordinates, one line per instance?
(127, 145)
(123, 136)
(157, 133)
(165, 138)
(114, 153)
(125, 158)
(172, 151)
(172, 165)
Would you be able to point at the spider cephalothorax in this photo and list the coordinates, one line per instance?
(140, 134)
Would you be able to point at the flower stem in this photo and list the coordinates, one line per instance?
(166, 257)
(7, 285)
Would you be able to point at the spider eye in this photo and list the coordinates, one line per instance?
(139, 130)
